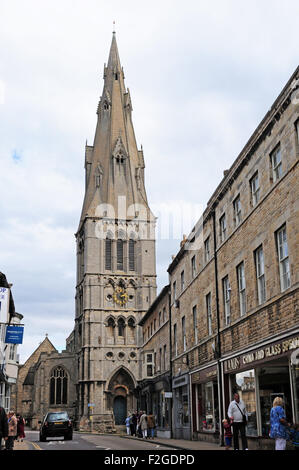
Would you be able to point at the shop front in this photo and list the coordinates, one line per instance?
(205, 404)
(258, 376)
(162, 408)
(181, 407)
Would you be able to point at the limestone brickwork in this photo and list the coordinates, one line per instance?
(251, 224)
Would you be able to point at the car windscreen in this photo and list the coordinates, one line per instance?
(57, 417)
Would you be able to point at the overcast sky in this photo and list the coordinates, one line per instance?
(201, 76)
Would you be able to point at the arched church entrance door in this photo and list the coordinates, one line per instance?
(120, 410)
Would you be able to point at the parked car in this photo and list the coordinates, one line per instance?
(56, 424)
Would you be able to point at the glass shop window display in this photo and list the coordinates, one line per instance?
(274, 381)
(208, 407)
(244, 384)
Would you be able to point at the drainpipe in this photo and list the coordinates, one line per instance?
(170, 363)
(218, 348)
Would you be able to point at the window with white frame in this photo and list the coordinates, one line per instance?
(174, 290)
(182, 281)
(149, 364)
(260, 275)
(207, 250)
(255, 189)
(193, 267)
(184, 334)
(222, 224)
(283, 258)
(194, 311)
(241, 288)
(237, 211)
(175, 340)
(12, 352)
(276, 164)
(164, 356)
(226, 299)
(209, 313)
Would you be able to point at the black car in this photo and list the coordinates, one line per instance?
(56, 424)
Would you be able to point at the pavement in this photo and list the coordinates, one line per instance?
(180, 444)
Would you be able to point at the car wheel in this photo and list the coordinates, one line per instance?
(68, 437)
(42, 438)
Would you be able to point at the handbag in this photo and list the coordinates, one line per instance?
(243, 415)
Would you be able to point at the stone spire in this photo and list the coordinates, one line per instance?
(114, 165)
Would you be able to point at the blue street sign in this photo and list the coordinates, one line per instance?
(14, 334)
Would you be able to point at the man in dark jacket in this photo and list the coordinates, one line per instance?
(3, 426)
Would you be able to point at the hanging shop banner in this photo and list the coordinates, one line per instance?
(14, 334)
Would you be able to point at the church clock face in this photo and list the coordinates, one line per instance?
(120, 296)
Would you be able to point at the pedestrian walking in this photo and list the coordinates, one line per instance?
(20, 428)
(128, 422)
(278, 424)
(133, 424)
(3, 426)
(143, 425)
(238, 416)
(151, 424)
(138, 427)
(294, 433)
(227, 433)
(12, 430)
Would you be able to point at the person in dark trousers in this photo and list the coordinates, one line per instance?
(3, 426)
(238, 416)
(133, 424)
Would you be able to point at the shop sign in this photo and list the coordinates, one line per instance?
(204, 375)
(260, 354)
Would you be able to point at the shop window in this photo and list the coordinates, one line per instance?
(207, 407)
(274, 381)
(244, 384)
(295, 381)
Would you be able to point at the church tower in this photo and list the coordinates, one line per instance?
(116, 265)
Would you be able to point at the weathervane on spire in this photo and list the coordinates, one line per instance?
(113, 27)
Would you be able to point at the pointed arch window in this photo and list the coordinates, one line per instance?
(108, 253)
(120, 255)
(58, 386)
(121, 327)
(131, 254)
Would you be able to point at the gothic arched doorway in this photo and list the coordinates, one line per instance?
(120, 410)
(120, 395)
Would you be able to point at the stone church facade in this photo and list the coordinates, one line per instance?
(116, 278)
